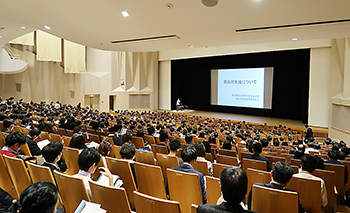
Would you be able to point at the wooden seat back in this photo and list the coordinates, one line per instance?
(180, 182)
(145, 157)
(18, 174)
(159, 149)
(122, 168)
(224, 159)
(72, 190)
(254, 164)
(166, 161)
(201, 167)
(217, 169)
(25, 150)
(71, 155)
(150, 139)
(257, 176)
(112, 199)
(149, 204)
(213, 189)
(138, 142)
(227, 152)
(5, 179)
(267, 200)
(329, 179)
(150, 180)
(339, 178)
(115, 152)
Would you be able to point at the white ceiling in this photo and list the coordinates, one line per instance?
(95, 23)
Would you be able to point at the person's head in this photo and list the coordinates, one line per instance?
(25, 121)
(188, 138)
(76, 129)
(320, 163)
(127, 151)
(257, 147)
(52, 151)
(200, 149)
(308, 163)
(227, 145)
(235, 180)
(105, 147)
(174, 145)
(333, 154)
(15, 140)
(77, 141)
(40, 197)
(7, 123)
(189, 154)
(126, 138)
(34, 132)
(276, 142)
(163, 136)
(88, 160)
(282, 172)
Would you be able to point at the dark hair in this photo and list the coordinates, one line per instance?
(333, 154)
(163, 136)
(104, 147)
(40, 197)
(308, 163)
(174, 145)
(126, 137)
(188, 154)
(7, 122)
(34, 132)
(207, 146)
(51, 151)
(76, 129)
(150, 130)
(200, 149)
(233, 185)
(227, 145)
(257, 147)
(25, 120)
(87, 158)
(282, 172)
(77, 141)
(298, 154)
(15, 137)
(264, 142)
(275, 142)
(128, 150)
(188, 138)
(320, 163)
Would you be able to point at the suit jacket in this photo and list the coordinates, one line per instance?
(33, 147)
(6, 130)
(5, 201)
(258, 157)
(274, 186)
(222, 208)
(334, 161)
(52, 168)
(117, 141)
(189, 169)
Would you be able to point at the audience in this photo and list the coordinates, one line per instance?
(333, 156)
(201, 156)
(127, 152)
(257, 149)
(52, 153)
(33, 146)
(174, 146)
(13, 143)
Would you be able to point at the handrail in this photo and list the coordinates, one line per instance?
(11, 54)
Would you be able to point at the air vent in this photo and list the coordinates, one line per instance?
(139, 101)
(292, 25)
(72, 94)
(145, 39)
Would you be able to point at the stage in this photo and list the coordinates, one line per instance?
(247, 118)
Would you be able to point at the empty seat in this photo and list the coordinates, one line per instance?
(149, 204)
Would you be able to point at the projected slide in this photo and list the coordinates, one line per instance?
(250, 87)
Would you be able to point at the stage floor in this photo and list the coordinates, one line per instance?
(247, 118)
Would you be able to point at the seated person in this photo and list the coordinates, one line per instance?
(127, 152)
(175, 145)
(257, 149)
(38, 197)
(13, 143)
(77, 142)
(232, 179)
(333, 156)
(189, 155)
(8, 124)
(5, 201)
(112, 134)
(189, 139)
(308, 164)
(280, 177)
(88, 160)
(201, 156)
(33, 146)
(52, 153)
(126, 138)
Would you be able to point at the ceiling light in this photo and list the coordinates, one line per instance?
(294, 39)
(23, 27)
(0, 36)
(190, 46)
(47, 27)
(125, 13)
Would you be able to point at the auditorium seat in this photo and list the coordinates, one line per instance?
(201, 167)
(254, 164)
(138, 142)
(149, 204)
(227, 152)
(224, 159)
(217, 169)
(150, 139)
(213, 189)
(25, 150)
(339, 181)
(257, 176)
(145, 157)
(166, 161)
(5, 179)
(329, 179)
(71, 155)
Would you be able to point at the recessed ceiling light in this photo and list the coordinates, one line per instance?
(125, 13)
(190, 46)
(0, 36)
(47, 27)
(294, 39)
(23, 27)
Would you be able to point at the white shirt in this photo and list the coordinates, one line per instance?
(305, 174)
(209, 164)
(86, 176)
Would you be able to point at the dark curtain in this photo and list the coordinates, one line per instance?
(190, 81)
